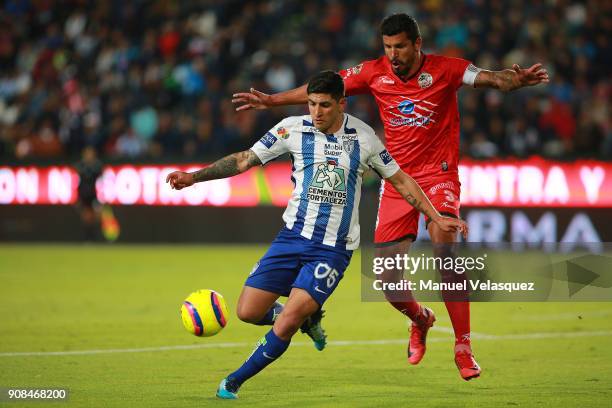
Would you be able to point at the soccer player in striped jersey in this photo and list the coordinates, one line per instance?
(329, 151)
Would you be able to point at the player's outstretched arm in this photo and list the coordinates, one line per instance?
(255, 99)
(228, 166)
(412, 192)
(511, 79)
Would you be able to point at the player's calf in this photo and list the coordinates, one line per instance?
(402, 300)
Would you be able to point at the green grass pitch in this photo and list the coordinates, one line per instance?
(60, 298)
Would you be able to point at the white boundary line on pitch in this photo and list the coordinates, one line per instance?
(564, 316)
(481, 336)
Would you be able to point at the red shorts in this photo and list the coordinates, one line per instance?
(398, 220)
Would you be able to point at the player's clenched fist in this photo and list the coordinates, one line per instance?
(179, 179)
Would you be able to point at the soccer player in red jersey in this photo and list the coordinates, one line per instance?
(416, 94)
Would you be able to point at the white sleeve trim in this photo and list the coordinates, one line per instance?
(259, 153)
(469, 76)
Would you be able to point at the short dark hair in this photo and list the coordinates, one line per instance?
(400, 23)
(327, 82)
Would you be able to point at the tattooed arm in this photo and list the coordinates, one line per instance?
(412, 192)
(511, 79)
(228, 166)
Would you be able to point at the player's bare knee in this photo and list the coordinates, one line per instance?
(247, 314)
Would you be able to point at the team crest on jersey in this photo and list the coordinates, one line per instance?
(282, 132)
(348, 145)
(425, 80)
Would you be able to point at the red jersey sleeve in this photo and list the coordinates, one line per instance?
(456, 68)
(355, 80)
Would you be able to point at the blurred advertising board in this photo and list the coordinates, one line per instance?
(529, 183)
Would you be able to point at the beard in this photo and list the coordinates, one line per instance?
(403, 67)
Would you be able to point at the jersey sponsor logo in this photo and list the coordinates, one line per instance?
(282, 132)
(444, 185)
(417, 122)
(268, 140)
(386, 80)
(330, 177)
(406, 107)
(425, 80)
(416, 114)
(328, 185)
(333, 149)
(385, 157)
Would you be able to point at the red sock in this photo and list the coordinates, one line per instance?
(410, 308)
(459, 313)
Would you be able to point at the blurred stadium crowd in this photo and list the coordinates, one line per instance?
(152, 80)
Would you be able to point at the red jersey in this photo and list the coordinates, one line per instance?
(420, 116)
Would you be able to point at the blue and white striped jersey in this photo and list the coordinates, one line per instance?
(327, 170)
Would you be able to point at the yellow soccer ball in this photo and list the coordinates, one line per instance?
(204, 313)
